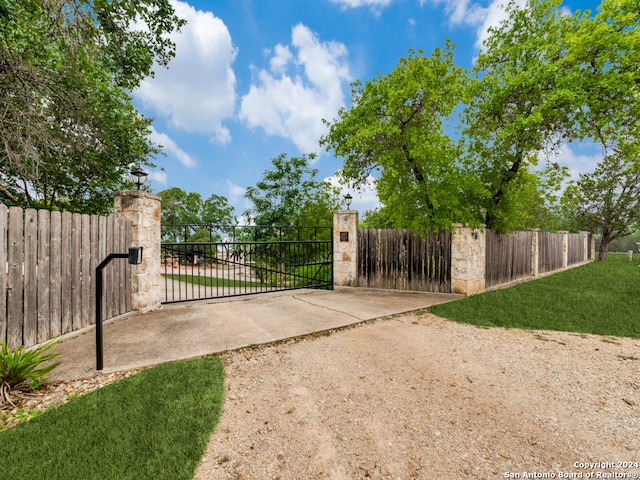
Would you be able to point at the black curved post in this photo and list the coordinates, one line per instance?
(135, 257)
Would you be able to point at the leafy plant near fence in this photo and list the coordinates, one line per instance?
(22, 365)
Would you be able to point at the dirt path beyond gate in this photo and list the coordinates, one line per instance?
(420, 397)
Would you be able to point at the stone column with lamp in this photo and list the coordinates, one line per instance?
(143, 210)
(345, 246)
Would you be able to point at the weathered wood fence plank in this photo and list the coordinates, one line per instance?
(404, 260)
(44, 275)
(576, 253)
(30, 282)
(94, 251)
(14, 282)
(109, 273)
(76, 262)
(85, 272)
(4, 211)
(549, 252)
(508, 257)
(48, 262)
(55, 266)
(66, 254)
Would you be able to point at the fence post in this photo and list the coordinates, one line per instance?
(345, 248)
(585, 246)
(565, 249)
(143, 210)
(534, 252)
(468, 260)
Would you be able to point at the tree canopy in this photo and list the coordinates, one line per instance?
(603, 50)
(180, 209)
(289, 195)
(449, 145)
(398, 125)
(606, 201)
(520, 105)
(69, 133)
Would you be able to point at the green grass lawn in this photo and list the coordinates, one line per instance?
(214, 282)
(153, 425)
(601, 298)
(300, 277)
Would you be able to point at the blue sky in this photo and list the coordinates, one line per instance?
(254, 78)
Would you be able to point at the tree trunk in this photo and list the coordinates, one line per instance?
(509, 175)
(604, 248)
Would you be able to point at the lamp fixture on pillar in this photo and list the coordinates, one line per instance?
(138, 176)
(347, 200)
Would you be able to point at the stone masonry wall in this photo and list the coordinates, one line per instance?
(143, 210)
(345, 248)
(468, 260)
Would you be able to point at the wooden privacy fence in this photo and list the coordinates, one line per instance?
(404, 260)
(530, 253)
(508, 257)
(49, 259)
(466, 261)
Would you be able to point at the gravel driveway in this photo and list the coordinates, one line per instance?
(417, 396)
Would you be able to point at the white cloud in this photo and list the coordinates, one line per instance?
(467, 12)
(376, 5)
(158, 176)
(197, 92)
(234, 192)
(494, 16)
(280, 59)
(461, 12)
(170, 147)
(578, 162)
(292, 105)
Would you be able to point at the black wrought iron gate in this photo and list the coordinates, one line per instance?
(210, 261)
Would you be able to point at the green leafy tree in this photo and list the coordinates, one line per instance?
(376, 218)
(397, 128)
(69, 133)
(520, 106)
(216, 210)
(542, 78)
(604, 52)
(184, 216)
(607, 201)
(288, 195)
(624, 244)
(318, 210)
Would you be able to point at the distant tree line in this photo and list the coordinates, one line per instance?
(288, 196)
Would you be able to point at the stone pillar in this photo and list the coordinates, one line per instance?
(534, 252)
(345, 248)
(468, 260)
(143, 210)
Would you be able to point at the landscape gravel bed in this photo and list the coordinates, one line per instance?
(420, 397)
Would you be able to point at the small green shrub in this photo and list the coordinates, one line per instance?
(22, 365)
